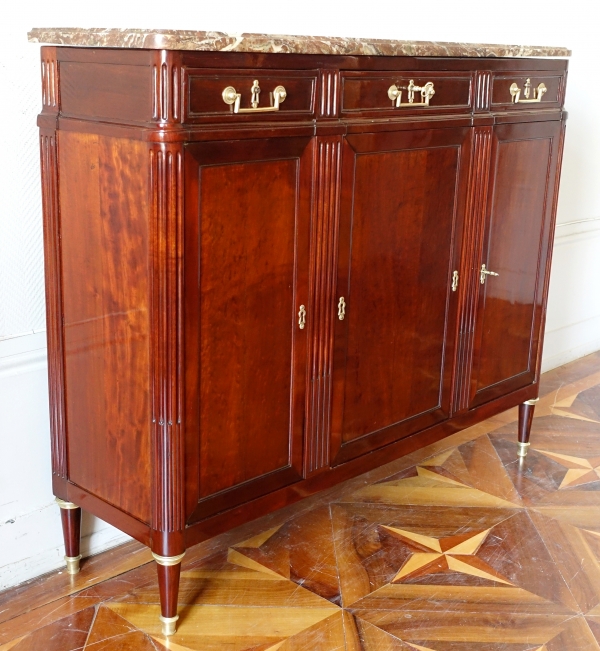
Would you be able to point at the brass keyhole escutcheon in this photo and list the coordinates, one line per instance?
(302, 317)
(455, 281)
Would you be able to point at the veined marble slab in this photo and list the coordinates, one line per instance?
(221, 42)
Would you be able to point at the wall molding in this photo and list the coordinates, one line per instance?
(587, 331)
(23, 354)
(570, 229)
(36, 360)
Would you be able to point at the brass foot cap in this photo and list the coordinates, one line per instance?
(65, 505)
(522, 449)
(73, 564)
(168, 625)
(168, 561)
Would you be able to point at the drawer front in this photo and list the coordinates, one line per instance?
(205, 89)
(527, 90)
(372, 93)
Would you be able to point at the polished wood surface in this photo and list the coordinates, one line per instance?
(457, 546)
(71, 526)
(367, 94)
(168, 588)
(403, 195)
(520, 205)
(104, 244)
(502, 98)
(247, 226)
(205, 88)
(182, 239)
(526, 412)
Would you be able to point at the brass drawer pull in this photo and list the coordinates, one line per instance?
(485, 272)
(341, 308)
(538, 93)
(231, 97)
(395, 94)
(302, 317)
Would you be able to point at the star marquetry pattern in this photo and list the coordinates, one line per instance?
(579, 469)
(560, 408)
(453, 553)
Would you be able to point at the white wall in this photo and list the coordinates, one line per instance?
(30, 537)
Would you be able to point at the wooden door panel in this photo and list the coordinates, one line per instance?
(509, 308)
(248, 219)
(392, 369)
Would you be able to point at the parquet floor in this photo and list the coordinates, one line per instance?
(457, 547)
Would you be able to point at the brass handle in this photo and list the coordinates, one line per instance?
(538, 93)
(341, 308)
(455, 281)
(233, 98)
(302, 317)
(395, 94)
(485, 272)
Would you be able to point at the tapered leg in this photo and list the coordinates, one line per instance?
(70, 515)
(525, 419)
(169, 569)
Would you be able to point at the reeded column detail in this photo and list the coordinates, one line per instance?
(323, 273)
(483, 90)
(474, 231)
(50, 100)
(329, 83)
(166, 183)
(54, 334)
(166, 87)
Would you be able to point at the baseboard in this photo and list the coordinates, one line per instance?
(23, 354)
(30, 529)
(571, 342)
(573, 326)
(44, 524)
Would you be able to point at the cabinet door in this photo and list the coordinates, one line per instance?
(515, 246)
(247, 221)
(402, 197)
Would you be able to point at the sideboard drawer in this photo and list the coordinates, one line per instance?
(206, 94)
(365, 93)
(527, 90)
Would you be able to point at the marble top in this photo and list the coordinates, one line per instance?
(168, 39)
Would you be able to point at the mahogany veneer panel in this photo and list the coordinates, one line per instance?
(95, 90)
(247, 233)
(502, 99)
(205, 88)
(104, 239)
(397, 254)
(515, 247)
(365, 93)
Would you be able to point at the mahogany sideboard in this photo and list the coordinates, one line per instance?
(269, 272)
